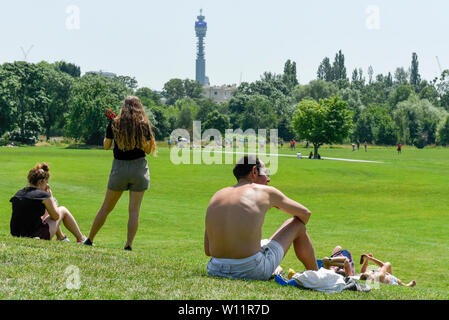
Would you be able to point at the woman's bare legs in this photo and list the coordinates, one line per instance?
(69, 222)
(340, 262)
(337, 249)
(109, 203)
(135, 200)
(410, 284)
(59, 234)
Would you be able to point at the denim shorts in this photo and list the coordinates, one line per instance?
(257, 267)
(133, 175)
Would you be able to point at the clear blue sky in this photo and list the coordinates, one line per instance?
(154, 41)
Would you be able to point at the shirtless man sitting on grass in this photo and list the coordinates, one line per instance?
(234, 220)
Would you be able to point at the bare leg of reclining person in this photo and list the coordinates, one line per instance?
(340, 264)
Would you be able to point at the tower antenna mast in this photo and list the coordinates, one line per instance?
(200, 31)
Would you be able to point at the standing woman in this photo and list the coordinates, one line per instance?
(134, 139)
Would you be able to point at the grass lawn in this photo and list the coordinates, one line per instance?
(398, 210)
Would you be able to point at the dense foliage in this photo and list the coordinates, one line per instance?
(55, 100)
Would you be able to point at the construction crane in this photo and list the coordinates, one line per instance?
(439, 65)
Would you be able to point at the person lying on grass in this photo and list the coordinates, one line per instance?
(35, 213)
(234, 220)
(340, 262)
(383, 274)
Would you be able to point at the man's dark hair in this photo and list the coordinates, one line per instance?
(244, 166)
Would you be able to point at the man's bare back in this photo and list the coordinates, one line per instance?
(234, 220)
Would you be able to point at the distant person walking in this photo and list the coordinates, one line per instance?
(133, 137)
(399, 148)
(358, 145)
(366, 146)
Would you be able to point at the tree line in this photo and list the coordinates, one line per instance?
(55, 100)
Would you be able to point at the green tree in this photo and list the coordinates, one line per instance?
(370, 74)
(58, 88)
(363, 130)
(171, 113)
(417, 121)
(92, 95)
(129, 82)
(205, 106)
(399, 94)
(443, 89)
(161, 127)
(415, 77)
(216, 120)
(289, 77)
(22, 98)
(327, 121)
(354, 99)
(148, 97)
(69, 68)
(325, 71)
(285, 128)
(316, 90)
(338, 67)
(400, 76)
(188, 110)
(193, 89)
(443, 132)
(429, 91)
(258, 113)
(236, 107)
(375, 125)
(173, 90)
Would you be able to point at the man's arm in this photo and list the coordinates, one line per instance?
(206, 244)
(284, 203)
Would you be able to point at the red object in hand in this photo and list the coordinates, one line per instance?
(111, 115)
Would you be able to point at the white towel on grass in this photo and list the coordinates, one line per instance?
(323, 280)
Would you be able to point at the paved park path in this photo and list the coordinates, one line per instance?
(290, 155)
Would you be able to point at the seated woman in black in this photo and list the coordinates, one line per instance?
(34, 210)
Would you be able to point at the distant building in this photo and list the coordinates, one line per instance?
(102, 73)
(200, 31)
(219, 93)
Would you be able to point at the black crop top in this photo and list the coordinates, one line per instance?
(125, 155)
